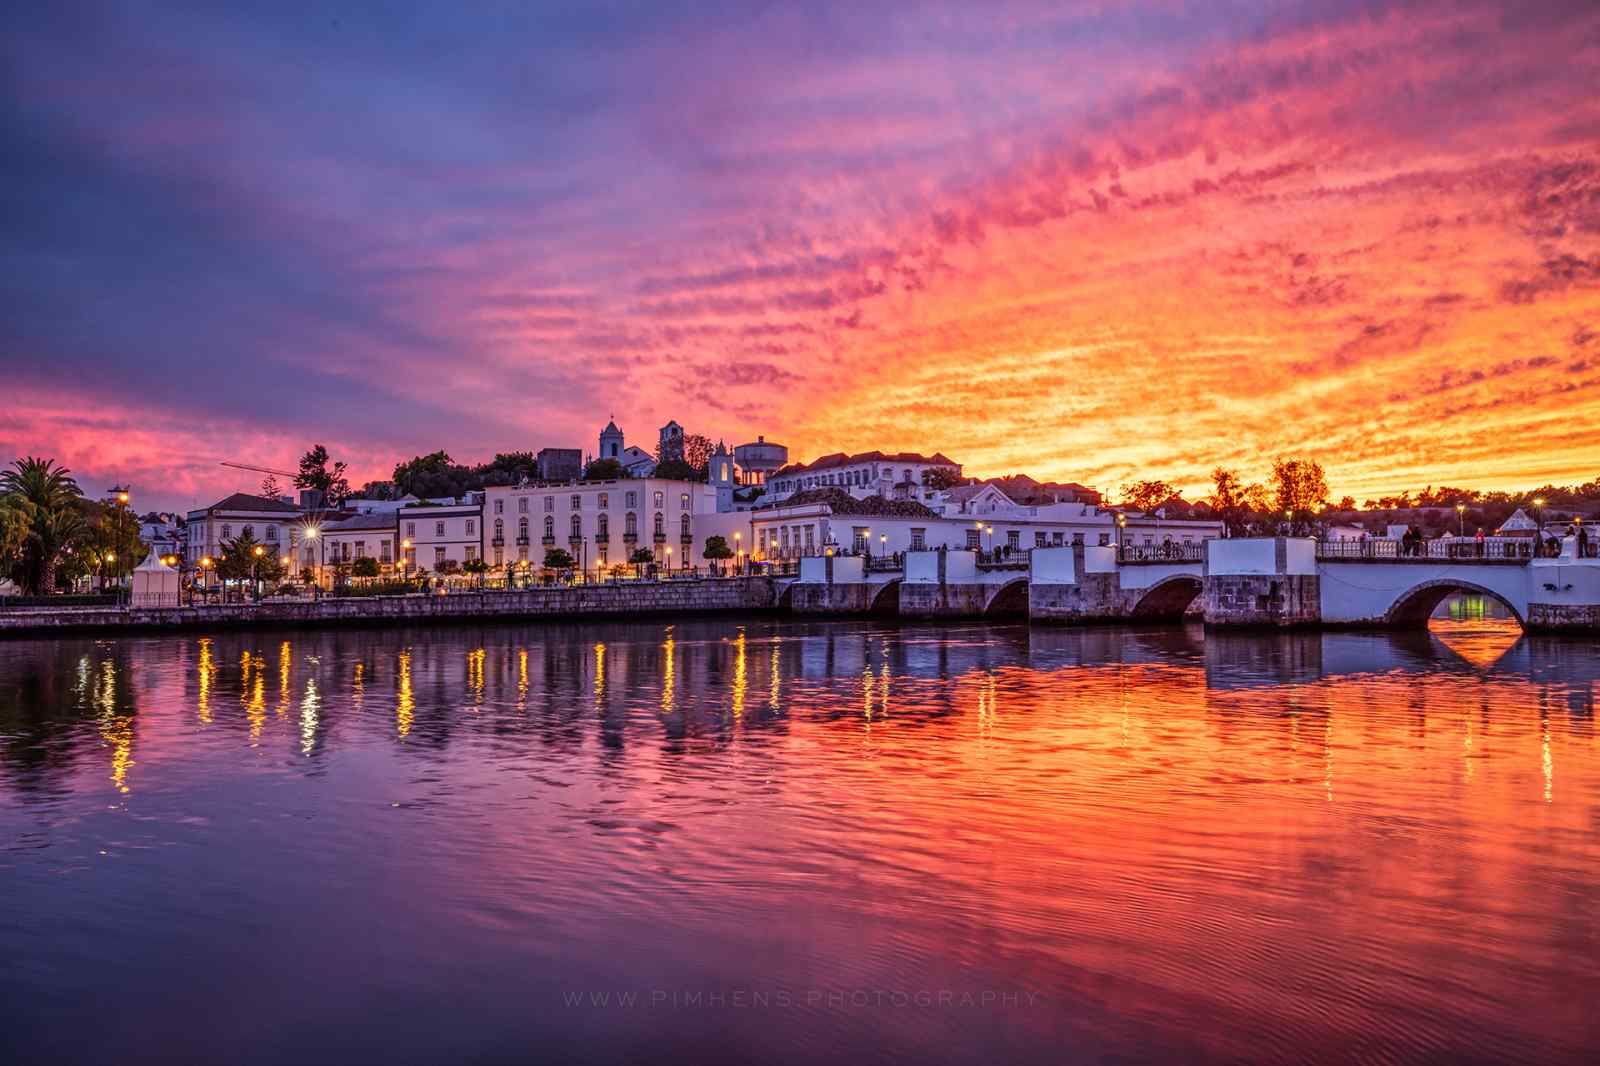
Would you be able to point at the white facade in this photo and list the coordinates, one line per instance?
(596, 522)
(365, 536)
(793, 532)
(271, 522)
(432, 537)
(901, 475)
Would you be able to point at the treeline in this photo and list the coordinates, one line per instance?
(51, 534)
(1296, 495)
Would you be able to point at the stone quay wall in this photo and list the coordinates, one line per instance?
(628, 600)
(944, 601)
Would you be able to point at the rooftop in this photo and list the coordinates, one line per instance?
(841, 502)
(244, 501)
(838, 459)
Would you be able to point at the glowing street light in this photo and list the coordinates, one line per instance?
(1461, 520)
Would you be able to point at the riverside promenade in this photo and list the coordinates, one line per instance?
(622, 600)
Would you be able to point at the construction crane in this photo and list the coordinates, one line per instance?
(262, 469)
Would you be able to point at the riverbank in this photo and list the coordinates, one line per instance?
(632, 599)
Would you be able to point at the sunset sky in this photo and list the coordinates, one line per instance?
(1095, 241)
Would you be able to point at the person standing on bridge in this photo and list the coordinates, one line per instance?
(1583, 543)
(1479, 539)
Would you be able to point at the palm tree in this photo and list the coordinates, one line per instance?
(49, 495)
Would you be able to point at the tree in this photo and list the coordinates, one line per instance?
(378, 490)
(716, 547)
(942, 478)
(1347, 503)
(1234, 502)
(47, 495)
(1146, 496)
(604, 470)
(642, 557)
(15, 520)
(507, 468)
(557, 559)
(697, 450)
(678, 470)
(109, 545)
(366, 566)
(1300, 490)
(270, 487)
(316, 473)
(241, 562)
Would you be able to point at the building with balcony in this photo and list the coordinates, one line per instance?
(272, 522)
(889, 475)
(441, 538)
(596, 522)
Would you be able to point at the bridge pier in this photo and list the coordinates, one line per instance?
(1262, 581)
(943, 584)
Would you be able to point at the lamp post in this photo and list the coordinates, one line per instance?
(1538, 507)
(255, 569)
(1122, 523)
(205, 575)
(1461, 520)
(883, 545)
(738, 551)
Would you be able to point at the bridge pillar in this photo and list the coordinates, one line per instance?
(1261, 581)
(1564, 593)
(1076, 583)
(942, 584)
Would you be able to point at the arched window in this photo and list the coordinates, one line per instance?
(499, 528)
(684, 528)
(630, 525)
(603, 526)
(549, 526)
(577, 526)
(661, 524)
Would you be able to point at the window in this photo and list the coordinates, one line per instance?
(500, 528)
(438, 529)
(500, 556)
(522, 505)
(272, 534)
(1077, 538)
(972, 539)
(1105, 540)
(630, 524)
(344, 551)
(383, 550)
(411, 529)
(499, 507)
(602, 526)
(549, 527)
(683, 500)
(249, 531)
(908, 474)
(1038, 538)
(1013, 539)
(577, 527)
(438, 558)
(858, 538)
(809, 537)
(471, 552)
(472, 528)
(1056, 538)
(919, 539)
(549, 505)
(685, 530)
(361, 549)
(605, 500)
(661, 524)
(577, 502)
(631, 499)
(227, 531)
(659, 497)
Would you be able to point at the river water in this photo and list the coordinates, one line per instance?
(788, 842)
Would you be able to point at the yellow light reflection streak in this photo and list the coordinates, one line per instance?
(115, 729)
(405, 706)
(774, 693)
(669, 694)
(206, 667)
(310, 705)
(599, 673)
(522, 679)
(740, 678)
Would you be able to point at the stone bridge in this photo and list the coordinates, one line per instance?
(1277, 582)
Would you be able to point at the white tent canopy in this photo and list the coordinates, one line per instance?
(155, 584)
(1518, 523)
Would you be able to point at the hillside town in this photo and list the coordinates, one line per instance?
(686, 506)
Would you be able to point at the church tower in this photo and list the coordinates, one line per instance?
(611, 442)
(719, 474)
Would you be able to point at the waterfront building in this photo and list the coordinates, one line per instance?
(596, 522)
(163, 534)
(814, 521)
(272, 522)
(890, 475)
(437, 537)
(360, 536)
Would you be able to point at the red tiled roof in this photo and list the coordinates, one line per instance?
(838, 459)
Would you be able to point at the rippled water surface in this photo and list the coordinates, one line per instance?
(786, 842)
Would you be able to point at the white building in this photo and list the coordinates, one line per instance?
(596, 522)
(361, 536)
(898, 475)
(434, 536)
(846, 523)
(273, 523)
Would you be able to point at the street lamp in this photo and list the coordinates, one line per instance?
(1122, 523)
(738, 551)
(1461, 520)
(255, 568)
(1538, 505)
(669, 560)
(205, 575)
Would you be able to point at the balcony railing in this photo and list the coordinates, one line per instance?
(1173, 552)
(1455, 550)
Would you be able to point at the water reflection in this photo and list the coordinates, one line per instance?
(1191, 846)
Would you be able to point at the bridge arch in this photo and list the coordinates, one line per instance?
(786, 597)
(886, 601)
(1168, 598)
(1009, 600)
(1416, 605)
